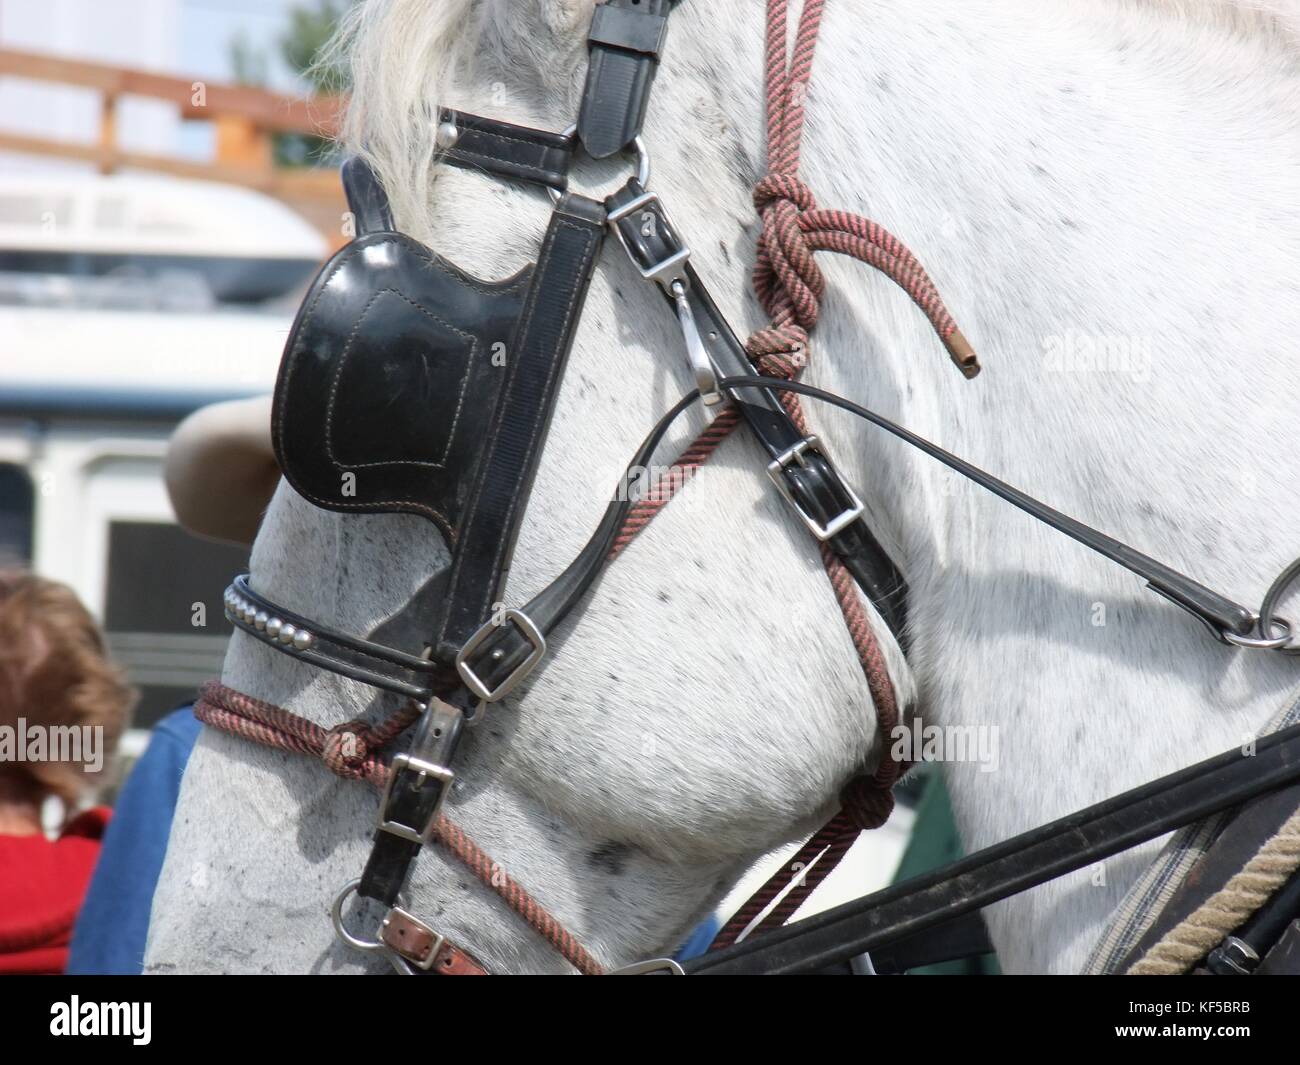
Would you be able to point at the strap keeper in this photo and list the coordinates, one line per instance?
(630, 31)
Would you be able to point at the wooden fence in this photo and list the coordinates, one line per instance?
(245, 121)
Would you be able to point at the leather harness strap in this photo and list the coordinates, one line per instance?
(424, 948)
(625, 40)
(505, 150)
(534, 367)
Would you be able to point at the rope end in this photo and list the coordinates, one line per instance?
(962, 354)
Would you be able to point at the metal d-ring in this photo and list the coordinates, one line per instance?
(1280, 586)
(642, 162)
(336, 915)
(1263, 643)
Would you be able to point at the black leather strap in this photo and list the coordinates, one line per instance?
(625, 40)
(505, 150)
(366, 197)
(507, 647)
(535, 361)
(319, 645)
(815, 485)
(1216, 612)
(418, 783)
(1073, 842)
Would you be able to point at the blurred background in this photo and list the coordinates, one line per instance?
(167, 191)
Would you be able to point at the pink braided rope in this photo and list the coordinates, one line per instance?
(786, 278)
(789, 285)
(272, 726)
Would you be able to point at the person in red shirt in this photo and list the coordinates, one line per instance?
(63, 705)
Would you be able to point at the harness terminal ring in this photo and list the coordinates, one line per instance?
(1281, 642)
(642, 162)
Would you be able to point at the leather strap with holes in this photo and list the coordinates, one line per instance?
(424, 948)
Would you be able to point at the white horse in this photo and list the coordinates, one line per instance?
(1106, 194)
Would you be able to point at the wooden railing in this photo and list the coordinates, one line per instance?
(245, 121)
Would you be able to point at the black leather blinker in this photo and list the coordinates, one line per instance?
(388, 372)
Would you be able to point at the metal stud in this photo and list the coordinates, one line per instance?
(261, 618)
(273, 626)
(447, 134)
(287, 633)
(302, 639)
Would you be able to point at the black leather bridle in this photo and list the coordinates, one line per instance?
(385, 295)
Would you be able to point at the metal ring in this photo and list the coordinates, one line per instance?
(1260, 643)
(1280, 586)
(336, 914)
(642, 162)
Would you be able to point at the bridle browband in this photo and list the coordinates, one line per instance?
(386, 311)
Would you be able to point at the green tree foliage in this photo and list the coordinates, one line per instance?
(310, 26)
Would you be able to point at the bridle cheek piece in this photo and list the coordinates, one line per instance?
(391, 335)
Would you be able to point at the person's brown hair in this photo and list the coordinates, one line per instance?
(54, 671)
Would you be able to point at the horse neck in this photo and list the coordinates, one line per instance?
(1099, 279)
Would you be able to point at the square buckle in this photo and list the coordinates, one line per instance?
(776, 470)
(404, 763)
(664, 271)
(475, 683)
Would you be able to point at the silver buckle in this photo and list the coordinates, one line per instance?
(776, 470)
(474, 683)
(404, 763)
(439, 940)
(666, 270)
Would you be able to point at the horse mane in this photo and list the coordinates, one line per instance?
(405, 58)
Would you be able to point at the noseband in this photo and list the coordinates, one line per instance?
(410, 385)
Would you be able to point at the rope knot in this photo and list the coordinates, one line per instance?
(779, 350)
(346, 748)
(787, 278)
(867, 802)
(783, 187)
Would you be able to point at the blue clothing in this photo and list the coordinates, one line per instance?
(698, 941)
(114, 920)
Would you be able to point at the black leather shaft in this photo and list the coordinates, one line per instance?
(505, 150)
(517, 430)
(625, 40)
(1074, 842)
(650, 239)
(419, 782)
